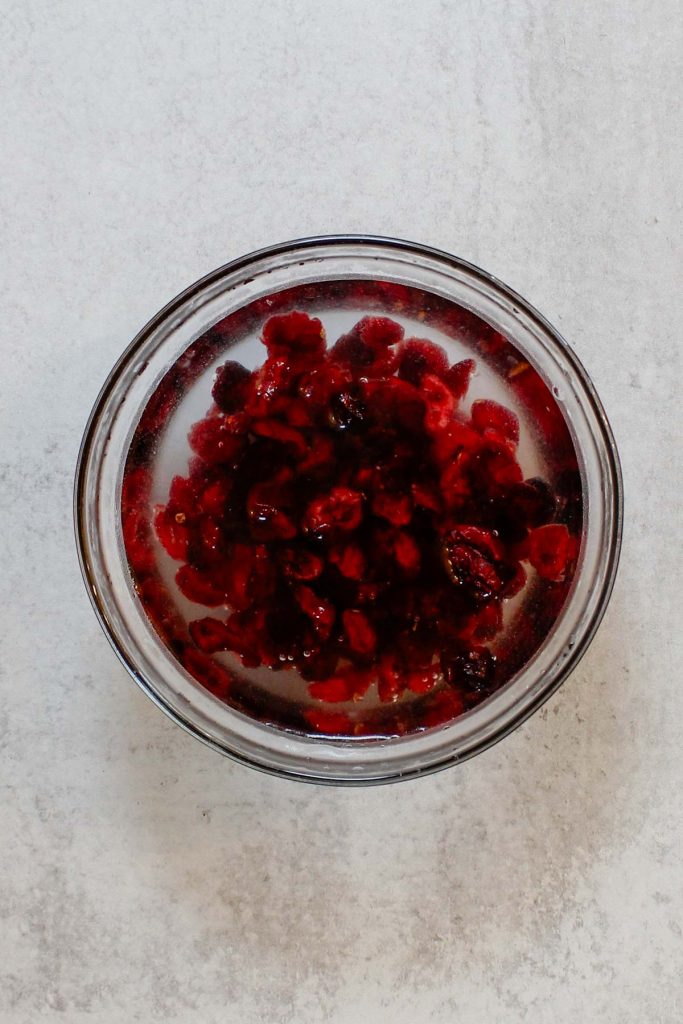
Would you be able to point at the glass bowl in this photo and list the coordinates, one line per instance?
(248, 283)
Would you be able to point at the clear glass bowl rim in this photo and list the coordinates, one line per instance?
(336, 771)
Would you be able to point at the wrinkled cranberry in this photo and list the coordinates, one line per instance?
(396, 508)
(281, 432)
(293, 333)
(458, 378)
(320, 612)
(347, 411)
(470, 569)
(550, 550)
(418, 357)
(172, 532)
(359, 632)
(231, 386)
(268, 519)
(213, 676)
(350, 561)
(301, 564)
(214, 441)
(210, 635)
(379, 331)
(469, 670)
(340, 510)
(196, 587)
(532, 502)
(440, 403)
(487, 415)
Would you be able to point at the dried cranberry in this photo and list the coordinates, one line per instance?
(281, 432)
(196, 587)
(340, 510)
(359, 632)
(214, 441)
(347, 411)
(293, 333)
(550, 549)
(418, 357)
(458, 378)
(214, 677)
(320, 612)
(531, 503)
(210, 635)
(268, 518)
(396, 508)
(469, 669)
(487, 415)
(379, 331)
(301, 564)
(350, 561)
(440, 403)
(172, 532)
(470, 569)
(231, 386)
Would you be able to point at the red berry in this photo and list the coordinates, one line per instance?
(210, 635)
(301, 564)
(418, 357)
(550, 550)
(214, 677)
(268, 518)
(340, 510)
(292, 334)
(350, 561)
(379, 331)
(396, 508)
(470, 570)
(319, 611)
(458, 378)
(440, 403)
(281, 432)
(359, 633)
(195, 586)
(487, 415)
(172, 532)
(231, 386)
(214, 441)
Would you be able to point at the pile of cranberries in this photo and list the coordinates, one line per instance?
(346, 518)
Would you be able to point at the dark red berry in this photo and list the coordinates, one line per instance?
(470, 569)
(214, 441)
(339, 511)
(292, 334)
(469, 669)
(195, 586)
(231, 386)
(361, 636)
(418, 357)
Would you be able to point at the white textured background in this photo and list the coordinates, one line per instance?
(142, 877)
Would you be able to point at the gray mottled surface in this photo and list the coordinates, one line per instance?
(142, 878)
